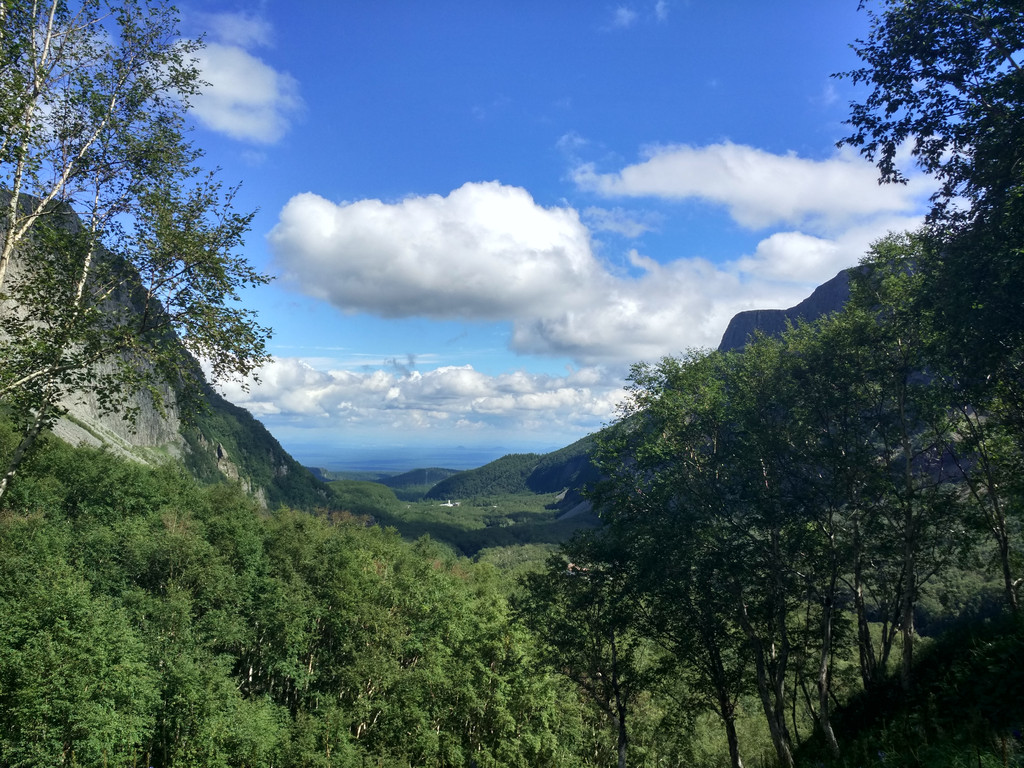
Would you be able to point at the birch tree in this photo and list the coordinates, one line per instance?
(119, 255)
(662, 504)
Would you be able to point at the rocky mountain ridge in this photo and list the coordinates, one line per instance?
(827, 298)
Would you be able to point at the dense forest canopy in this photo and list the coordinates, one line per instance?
(148, 620)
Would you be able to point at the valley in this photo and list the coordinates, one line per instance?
(800, 548)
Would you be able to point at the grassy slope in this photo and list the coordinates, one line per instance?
(488, 521)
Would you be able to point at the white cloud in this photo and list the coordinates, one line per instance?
(453, 397)
(792, 256)
(570, 143)
(486, 251)
(619, 221)
(759, 189)
(241, 29)
(489, 252)
(829, 94)
(624, 17)
(665, 311)
(661, 10)
(246, 98)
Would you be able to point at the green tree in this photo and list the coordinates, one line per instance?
(582, 608)
(758, 492)
(977, 424)
(916, 505)
(946, 77)
(988, 458)
(117, 252)
(147, 620)
(663, 507)
(75, 686)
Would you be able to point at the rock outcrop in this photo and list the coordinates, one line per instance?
(217, 442)
(826, 298)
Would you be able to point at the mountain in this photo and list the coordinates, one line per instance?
(217, 441)
(227, 442)
(418, 477)
(506, 475)
(565, 471)
(827, 298)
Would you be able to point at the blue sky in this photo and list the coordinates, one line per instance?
(479, 214)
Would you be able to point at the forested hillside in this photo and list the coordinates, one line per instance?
(775, 518)
(505, 475)
(568, 468)
(148, 620)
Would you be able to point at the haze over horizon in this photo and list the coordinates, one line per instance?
(481, 215)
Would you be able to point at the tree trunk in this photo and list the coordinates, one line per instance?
(824, 705)
(769, 702)
(907, 621)
(1010, 585)
(28, 440)
(622, 738)
(726, 703)
(620, 704)
(909, 593)
(729, 719)
(986, 495)
(865, 646)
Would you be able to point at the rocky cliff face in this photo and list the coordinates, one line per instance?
(151, 437)
(826, 298)
(225, 441)
(219, 442)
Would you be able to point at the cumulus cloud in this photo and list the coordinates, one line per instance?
(489, 252)
(486, 251)
(455, 397)
(669, 308)
(758, 188)
(791, 256)
(245, 98)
